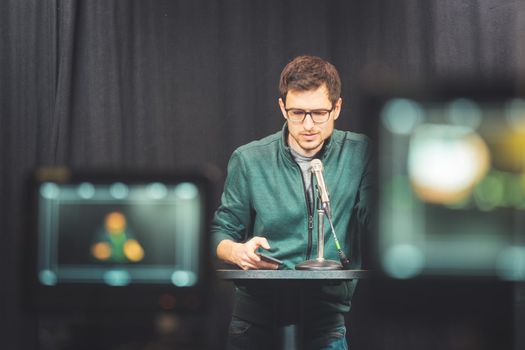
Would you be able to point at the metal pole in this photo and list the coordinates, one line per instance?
(320, 234)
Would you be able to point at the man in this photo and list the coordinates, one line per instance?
(269, 205)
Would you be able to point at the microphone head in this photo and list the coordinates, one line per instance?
(316, 165)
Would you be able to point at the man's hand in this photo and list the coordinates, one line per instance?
(243, 254)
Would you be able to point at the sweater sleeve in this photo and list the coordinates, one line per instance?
(364, 204)
(232, 218)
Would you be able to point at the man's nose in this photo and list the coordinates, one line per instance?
(308, 122)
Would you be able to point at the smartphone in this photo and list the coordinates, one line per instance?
(267, 258)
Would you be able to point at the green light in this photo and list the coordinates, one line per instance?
(515, 113)
(490, 192)
(183, 278)
(119, 190)
(157, 190)
(116, 278)
(48, 278)
(465, 112)
(49, 190)
(86, 190)
(186, 190)
(401, 116)
(403, 261)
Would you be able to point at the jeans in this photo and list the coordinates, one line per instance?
(245, 335)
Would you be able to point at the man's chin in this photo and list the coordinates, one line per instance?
(309, 146)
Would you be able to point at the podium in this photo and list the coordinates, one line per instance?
(290, 279)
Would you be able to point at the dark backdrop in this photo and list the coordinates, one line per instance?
(169, 84)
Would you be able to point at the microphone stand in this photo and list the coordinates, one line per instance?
(320, 263)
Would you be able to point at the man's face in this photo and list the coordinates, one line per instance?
(307, 137)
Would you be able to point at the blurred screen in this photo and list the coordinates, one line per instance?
(452, 187)
(119, 234)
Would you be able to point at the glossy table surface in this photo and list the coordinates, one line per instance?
(234, 274)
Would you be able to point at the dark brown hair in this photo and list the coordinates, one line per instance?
(305, 73)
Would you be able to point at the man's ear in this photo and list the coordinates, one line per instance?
(337, 108)
(281, 105)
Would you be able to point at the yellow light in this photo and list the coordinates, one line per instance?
(101, 250)
(115, 222)
(133, 250)
(510, 151)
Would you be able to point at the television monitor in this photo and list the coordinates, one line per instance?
(119, 240)
(451, 183)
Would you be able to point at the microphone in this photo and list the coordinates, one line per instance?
(317, 168)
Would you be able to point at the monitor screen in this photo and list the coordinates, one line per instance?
(451, 194)
(121, 234)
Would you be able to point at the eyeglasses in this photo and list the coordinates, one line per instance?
(319, 116)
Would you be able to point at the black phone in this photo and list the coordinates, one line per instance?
(270, 259)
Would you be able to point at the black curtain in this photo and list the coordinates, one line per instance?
(172, 84)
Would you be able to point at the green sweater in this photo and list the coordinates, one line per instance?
(264, 195)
